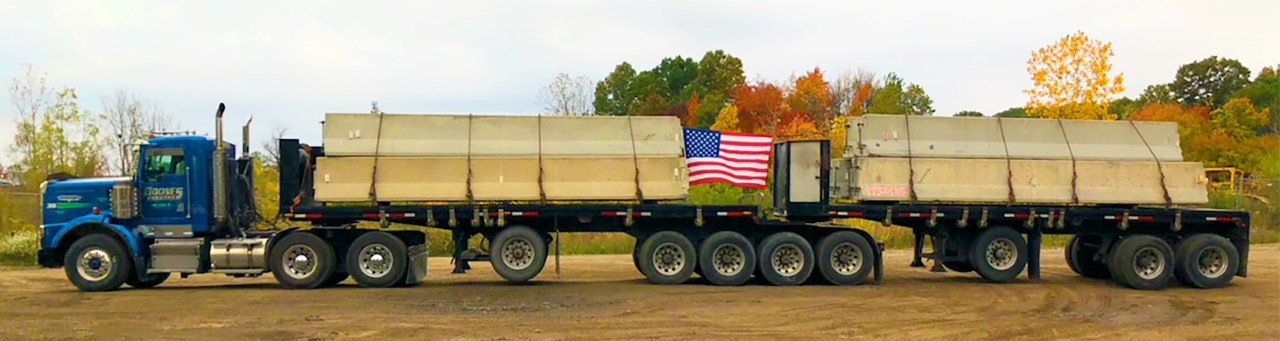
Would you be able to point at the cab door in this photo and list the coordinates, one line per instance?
(164, 198)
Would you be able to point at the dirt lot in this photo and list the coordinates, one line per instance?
(603, 297)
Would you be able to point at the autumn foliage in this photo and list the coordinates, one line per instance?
(1071, 79)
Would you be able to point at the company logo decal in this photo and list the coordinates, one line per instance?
(164, 194)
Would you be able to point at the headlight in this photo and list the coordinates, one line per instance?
(43, 186)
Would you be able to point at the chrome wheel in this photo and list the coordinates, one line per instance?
(1148, 263)
(1213, 262)
(1002, 254)
(728, 260)
(846, 259)
(299, 261)
(787, 260)
(94, 264)
(376, 260)
(517, 254)
(668, 259)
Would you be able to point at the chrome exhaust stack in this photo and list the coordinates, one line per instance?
(219, 174)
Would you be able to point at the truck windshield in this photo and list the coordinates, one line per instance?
(163, 161)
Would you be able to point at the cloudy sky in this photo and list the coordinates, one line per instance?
(288, 63)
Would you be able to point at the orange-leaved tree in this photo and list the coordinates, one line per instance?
(760, 106)
(1072, 79)
(796, 125)
(811, 95)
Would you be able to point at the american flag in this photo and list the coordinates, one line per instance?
(735, 158)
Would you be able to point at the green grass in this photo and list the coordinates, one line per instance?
(19, 248)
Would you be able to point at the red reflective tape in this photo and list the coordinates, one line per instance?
(369, 215)
(1142, 218)
(915, 215)
(524, 214)
(307, 216)
(733, 213)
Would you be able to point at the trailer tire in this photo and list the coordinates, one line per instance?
(1206, 261)
(958, 266)
(518, 253)
(667, 257)
(1142, 262)
(635, 257)
(1080, 257)
(97, 262)
(786, 259)
(151, 281)
(377, 260)
(726, 258)
(302, 260)
(845, 258)
(998, 254)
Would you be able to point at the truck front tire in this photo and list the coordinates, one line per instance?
(302, 260)
(377, 260)
(150, 281)
(518, 253)
(97, 262)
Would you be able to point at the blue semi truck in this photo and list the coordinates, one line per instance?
(189, 209)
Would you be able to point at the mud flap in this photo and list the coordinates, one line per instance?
(417, 271)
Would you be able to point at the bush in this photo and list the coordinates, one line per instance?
(19, 248)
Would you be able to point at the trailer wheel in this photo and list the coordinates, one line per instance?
(377, 260)
(845, 258)
(667, 257)
(151, 281)
(998, 254)
(786, 259)
(518, 253)
(1206, 261)
(1080, 257)
(726, 258)
(958, 266)
(1142, 262)
(97, 262)
(302, 260)
(635, 257)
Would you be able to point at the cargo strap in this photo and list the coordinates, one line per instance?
(1008, 163)
(377, 149)
(470, 196)
(635, 160)
(542, 192)
(1164, 186)
(1075, 196)
(911, 169)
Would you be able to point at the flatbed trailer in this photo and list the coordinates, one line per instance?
(954, 229)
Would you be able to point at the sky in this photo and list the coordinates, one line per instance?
(288, 63)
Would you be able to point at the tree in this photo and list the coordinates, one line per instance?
(916, 102)
(969, 113)
(62, 139)
(1156, 93)
(29, 95)
(727, 119)
(796, 126)
(888, 99)
(760, 106)
(1264, 93)
(1071, 79)
(717, 75)
(567, 96)
(810, 94)
(675, 75)
(128, 121)
(613, 94)
(1014, 112)
(1238, 119)
(1121, 108)
(1209, 81)
(271, 147)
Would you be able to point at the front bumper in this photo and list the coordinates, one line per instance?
(47, 259)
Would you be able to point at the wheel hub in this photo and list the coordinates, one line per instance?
(376, 260)
(846, 259)
(1001, 254)
(1148, 263)
(1213, 262)
(94, 265)
(668, 259)
(787, 260)
(299, 261)
(728, 260)
(517, 254)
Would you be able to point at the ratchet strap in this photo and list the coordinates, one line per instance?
(1075, 195)
(911, 169)
(377, 148)
(635, 160)
(1164, 186)
(1008, 163)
